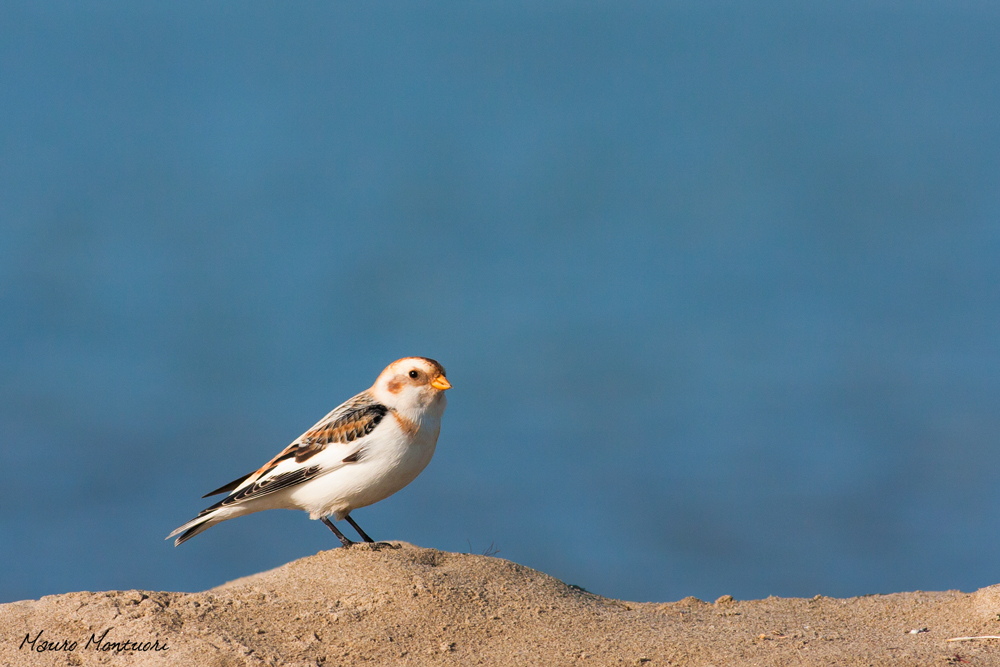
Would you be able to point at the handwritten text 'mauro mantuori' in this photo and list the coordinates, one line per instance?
(95, 643)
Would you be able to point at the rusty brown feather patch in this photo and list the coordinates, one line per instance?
(435, 365)
(342, 428)
(408, 426)
(353, 419)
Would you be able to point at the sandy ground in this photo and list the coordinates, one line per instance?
(403, 605)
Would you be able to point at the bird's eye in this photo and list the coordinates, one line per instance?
(414, 374)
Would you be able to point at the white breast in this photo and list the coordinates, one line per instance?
(392, 457)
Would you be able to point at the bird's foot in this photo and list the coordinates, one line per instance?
(356, 527)
(343, 538)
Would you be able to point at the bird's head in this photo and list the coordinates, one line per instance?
(413, 383)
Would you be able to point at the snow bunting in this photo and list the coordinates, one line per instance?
(367, 449)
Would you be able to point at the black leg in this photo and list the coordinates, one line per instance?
(356, 527)
(343, 540)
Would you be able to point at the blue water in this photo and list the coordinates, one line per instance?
(716, 285)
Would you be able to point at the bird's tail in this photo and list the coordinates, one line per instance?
(205, 520)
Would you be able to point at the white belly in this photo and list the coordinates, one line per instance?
(389, 462)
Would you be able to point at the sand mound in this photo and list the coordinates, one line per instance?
(401, 604)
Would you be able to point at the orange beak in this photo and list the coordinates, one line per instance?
(441, 382)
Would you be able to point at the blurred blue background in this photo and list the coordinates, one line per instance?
(716, 284)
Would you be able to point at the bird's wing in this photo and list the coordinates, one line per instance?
(347, 425)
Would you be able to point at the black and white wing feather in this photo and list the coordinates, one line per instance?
(345, 424)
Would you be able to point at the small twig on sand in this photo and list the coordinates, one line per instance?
(969, 639)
